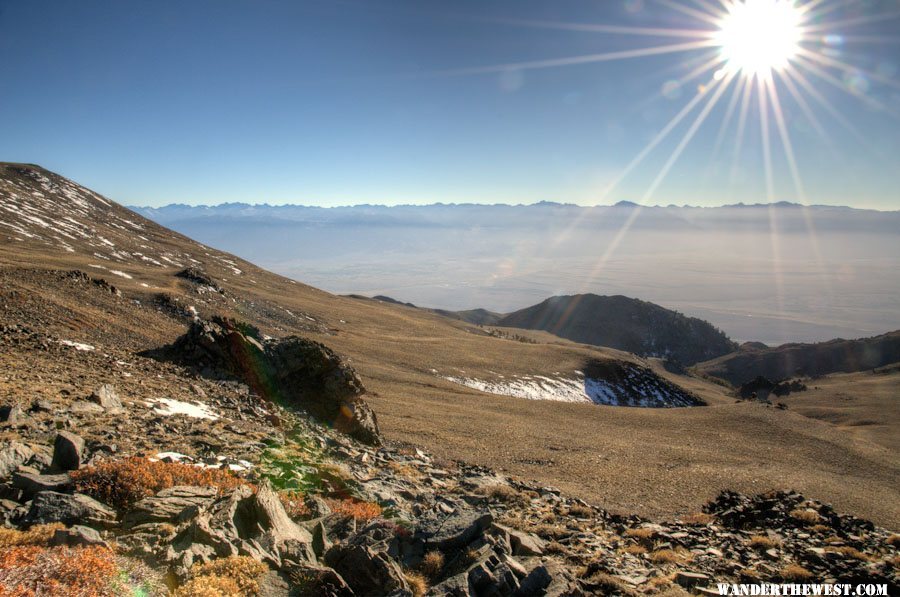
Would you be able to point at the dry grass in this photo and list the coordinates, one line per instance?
(579, 511)
(762, 543)
(850, 552)
(36, 535)
(795, 572)
(640, 534)
(698, 519)
(504, 493)
(120, 483)
(234, 575)
(418, 584)
(31, 570)
(635, 549)
(807, 517)
(820, 528)
(555, 547)
(432, 564)
(664, 556)
(356, 509)
(894, 540)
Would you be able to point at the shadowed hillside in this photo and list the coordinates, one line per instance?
(794, 360)
(626, 324)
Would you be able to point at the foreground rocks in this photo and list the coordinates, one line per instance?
(326, 514)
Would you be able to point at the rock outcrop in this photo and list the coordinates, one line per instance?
(292, 371)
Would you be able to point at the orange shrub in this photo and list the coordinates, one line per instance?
(122, 482)
(357, 509)
(294, 504)
(32, 570)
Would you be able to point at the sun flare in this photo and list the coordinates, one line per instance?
(759, 36)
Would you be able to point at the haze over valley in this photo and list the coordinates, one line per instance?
(770, 274)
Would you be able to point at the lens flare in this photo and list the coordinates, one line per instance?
(757, 37)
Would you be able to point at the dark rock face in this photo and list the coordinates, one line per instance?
(293, 371)
(67, 451)
(762, 388)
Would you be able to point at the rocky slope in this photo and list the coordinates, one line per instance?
(626, 324)
(97, 454)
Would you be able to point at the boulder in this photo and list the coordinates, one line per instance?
(67, 451)
(366, 571)
(50, 506)
(77, 536)
(12, 456)
(525, 544)
(292, 371)
(171, 505)
(107, 397)
(454, 532)
(243, 523)
(31, 483)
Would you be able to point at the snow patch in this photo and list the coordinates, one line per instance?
(119, 273)
(169, 406)
(77, 345)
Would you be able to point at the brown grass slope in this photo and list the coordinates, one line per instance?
(794, 360)
(643, 460)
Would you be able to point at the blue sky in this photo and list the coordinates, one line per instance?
(344, 102)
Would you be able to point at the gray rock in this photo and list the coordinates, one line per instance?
(456, 532)
(525, 544)
(12, 456)
(78, 535)
(31, 483)
(50, 506)
(367, 572)
(107, 397)
(320, 542)
(243, 523)
(11, 414)
(170, 505)
(83, 407)
(455, 586)
(67, 451)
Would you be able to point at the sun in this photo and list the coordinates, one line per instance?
(757, 37)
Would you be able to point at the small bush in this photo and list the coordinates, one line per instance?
(34, 570)
(36, 535)
(120, 483)
(433, 564)
(762, 543)
(820, 528)
(793, 572)
(894, 540)
(209, 586)
(356, 509)
(807, 517)
(417, 583)
(234, 575)
(294, 504)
